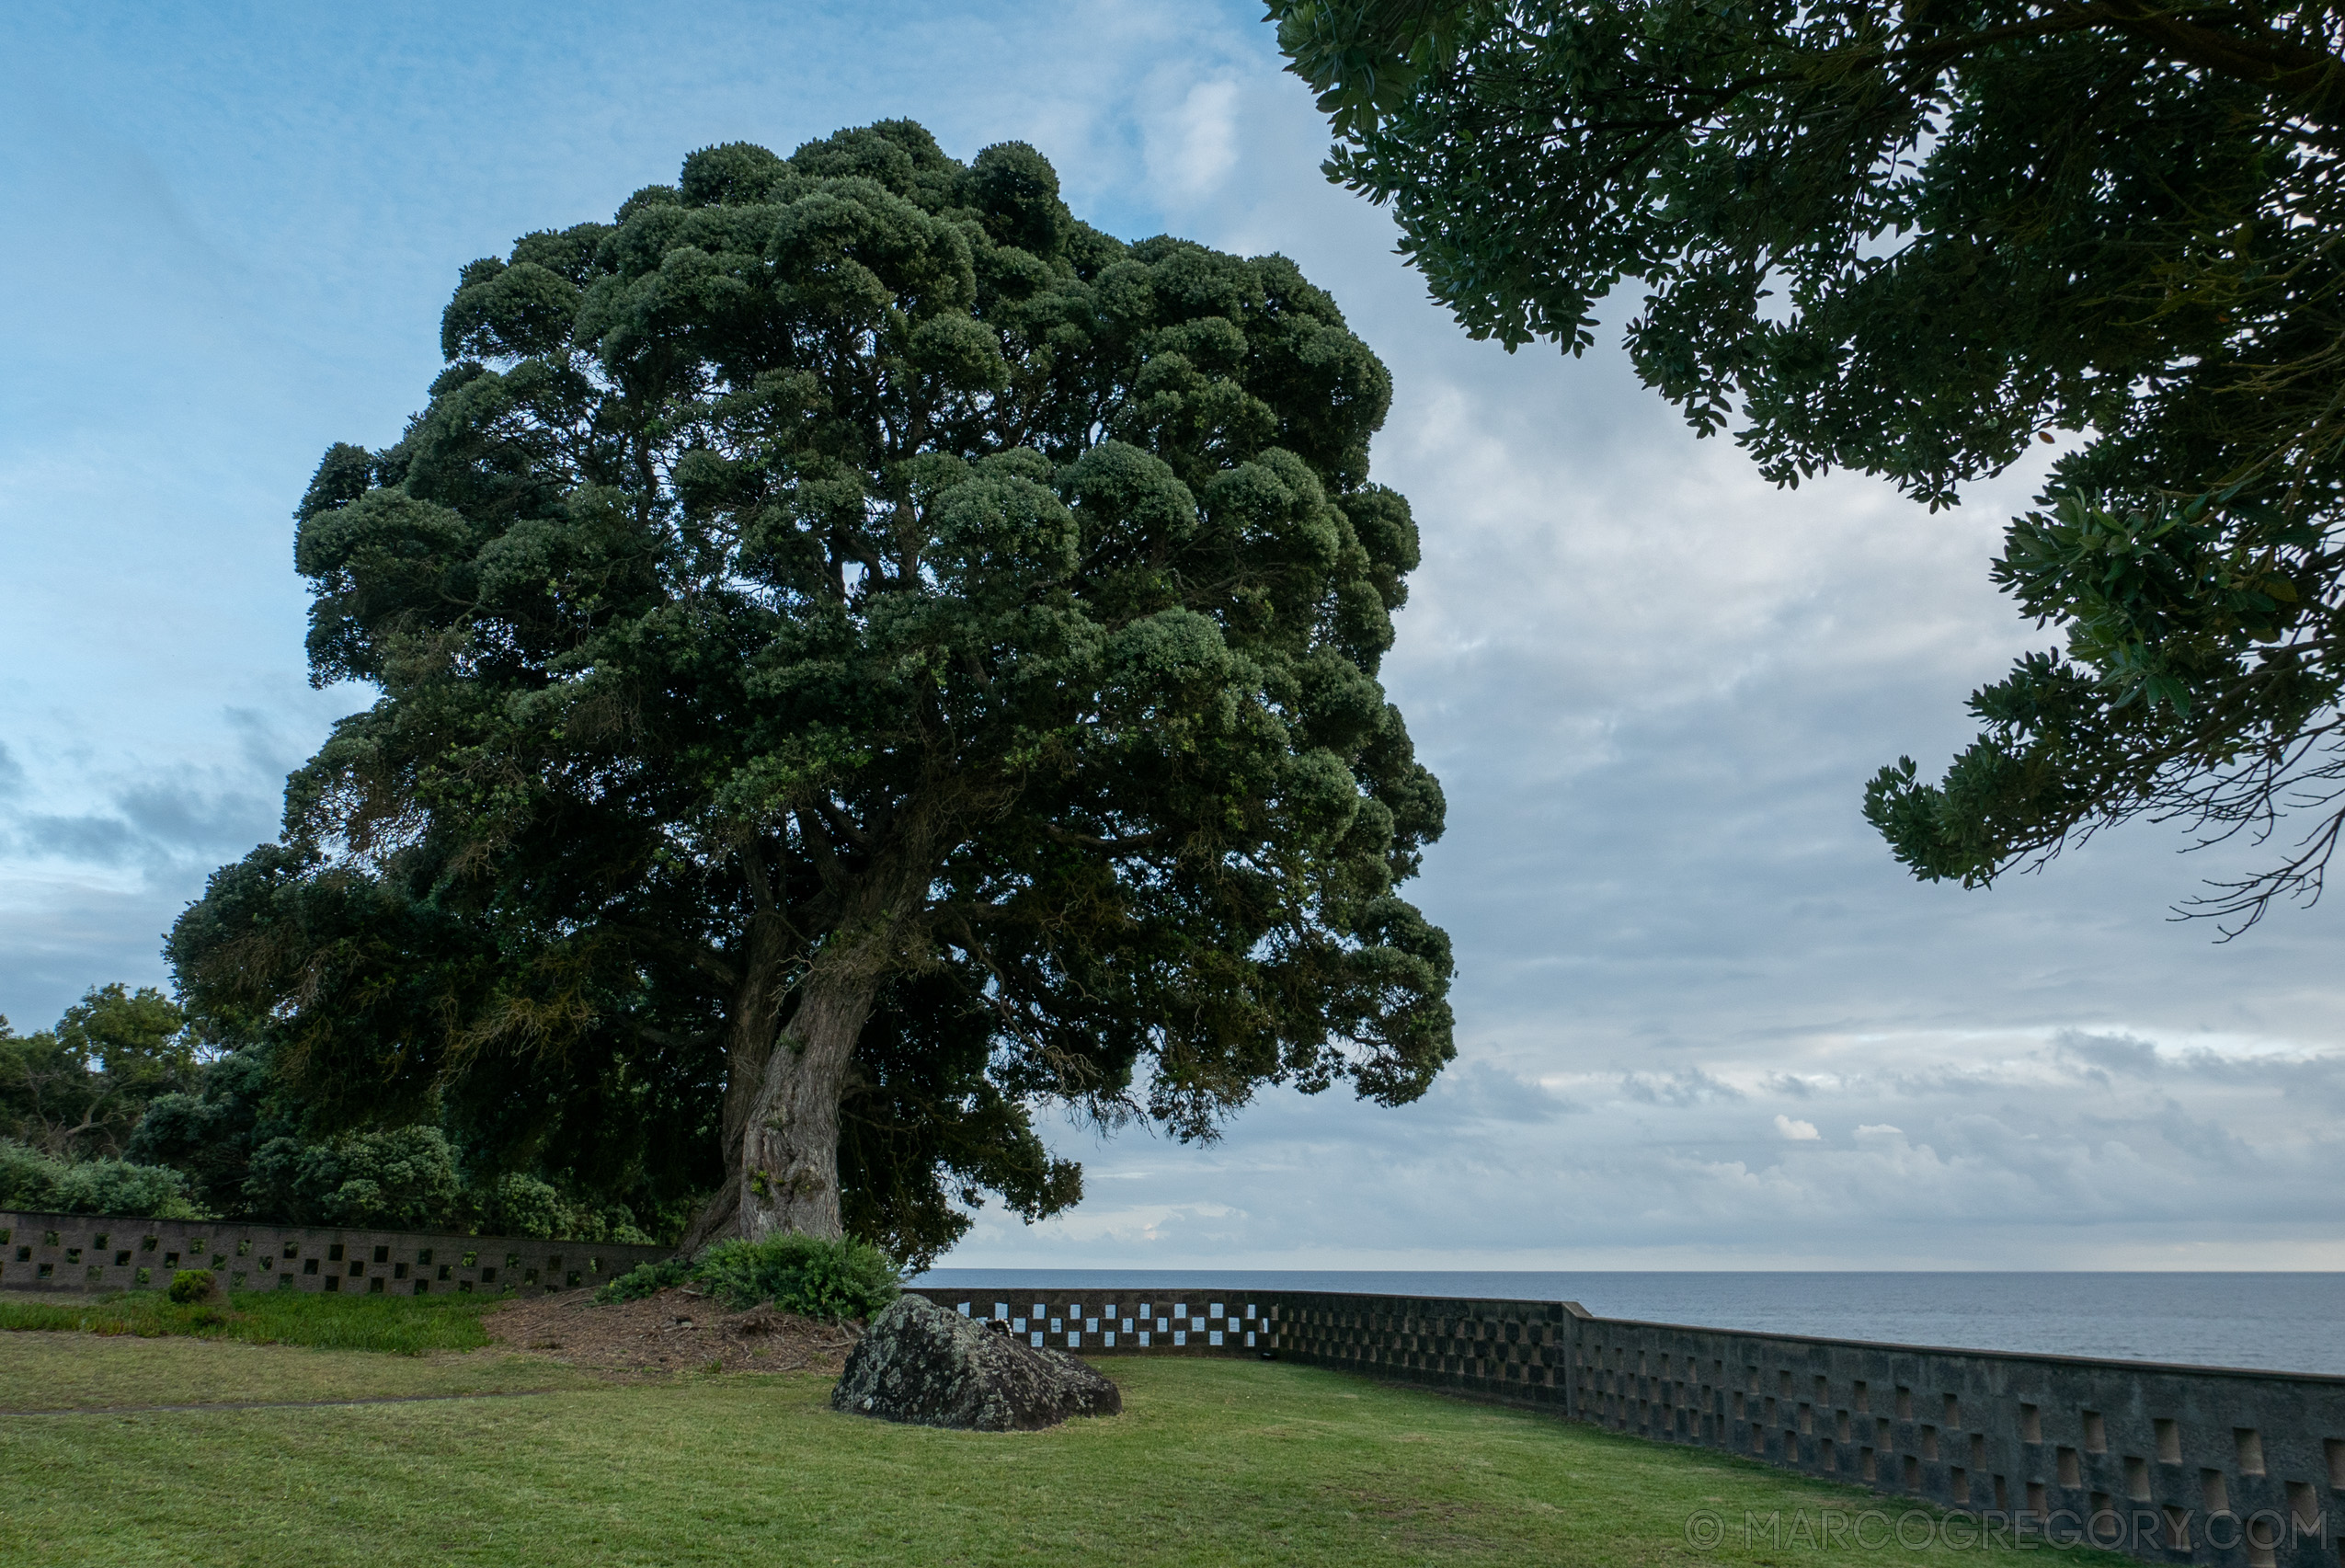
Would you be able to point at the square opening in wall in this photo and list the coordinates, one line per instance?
(2262, 1537)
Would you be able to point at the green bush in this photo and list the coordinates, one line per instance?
(644, 1279)
(30, 1179)
(800, 1274)
(190, 1286)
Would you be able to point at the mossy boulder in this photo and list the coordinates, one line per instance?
(923, 1366)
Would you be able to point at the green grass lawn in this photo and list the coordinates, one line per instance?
(404, 1326)
(1213, 1462)
(71, 1371)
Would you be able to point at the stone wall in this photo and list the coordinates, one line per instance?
(84, 1251)
(2170, 1464)
(1121, 1322)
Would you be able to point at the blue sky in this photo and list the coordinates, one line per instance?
(1704, 1021)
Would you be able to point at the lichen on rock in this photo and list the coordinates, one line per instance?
(926, 1367)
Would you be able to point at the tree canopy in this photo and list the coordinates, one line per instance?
(78, 1091)
(1908, 239)
(862, 653)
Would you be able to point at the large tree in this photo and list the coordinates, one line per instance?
(77, 1091)
(862, 653)
(1908, 239)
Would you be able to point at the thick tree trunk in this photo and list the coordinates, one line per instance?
(750, 1046)
(783, 1089)
(790, 1148)
(783, 1085)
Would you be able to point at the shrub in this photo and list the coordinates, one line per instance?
(644, 1279)
(30, 1179)
(820, 1279)
(191, 1287)
(403, 1179)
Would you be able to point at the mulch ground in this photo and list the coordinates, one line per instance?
(679, 1331)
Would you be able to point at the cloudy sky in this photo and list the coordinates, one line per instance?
(1704, 1020)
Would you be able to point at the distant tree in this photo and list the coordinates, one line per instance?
(247, 1147)
(76, 1090)
(1908, 239)
(863, 653)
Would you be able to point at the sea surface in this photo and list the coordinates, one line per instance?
(2287, 1322)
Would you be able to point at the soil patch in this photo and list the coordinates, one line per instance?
(679, 1330)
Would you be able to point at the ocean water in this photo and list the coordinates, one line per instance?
(2286, 1323)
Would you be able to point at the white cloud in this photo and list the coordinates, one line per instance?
(1193, 143)
(1652, 686)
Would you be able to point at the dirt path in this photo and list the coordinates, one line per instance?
(677, 1329)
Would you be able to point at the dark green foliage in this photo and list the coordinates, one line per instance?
(1910, 240)
(209, 1131)
(644, 1279)
(32, 1180)
(813, 1276)
(192, 1286)
(241, 1141)
(861, 653)
(78, 1090)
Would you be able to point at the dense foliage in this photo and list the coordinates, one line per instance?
(862, 653)
(1909, 239)
(248, 1147)
(120, 1110)
(813, 1276)
(79, 1089)
(30, 1179)
(816, 1275)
